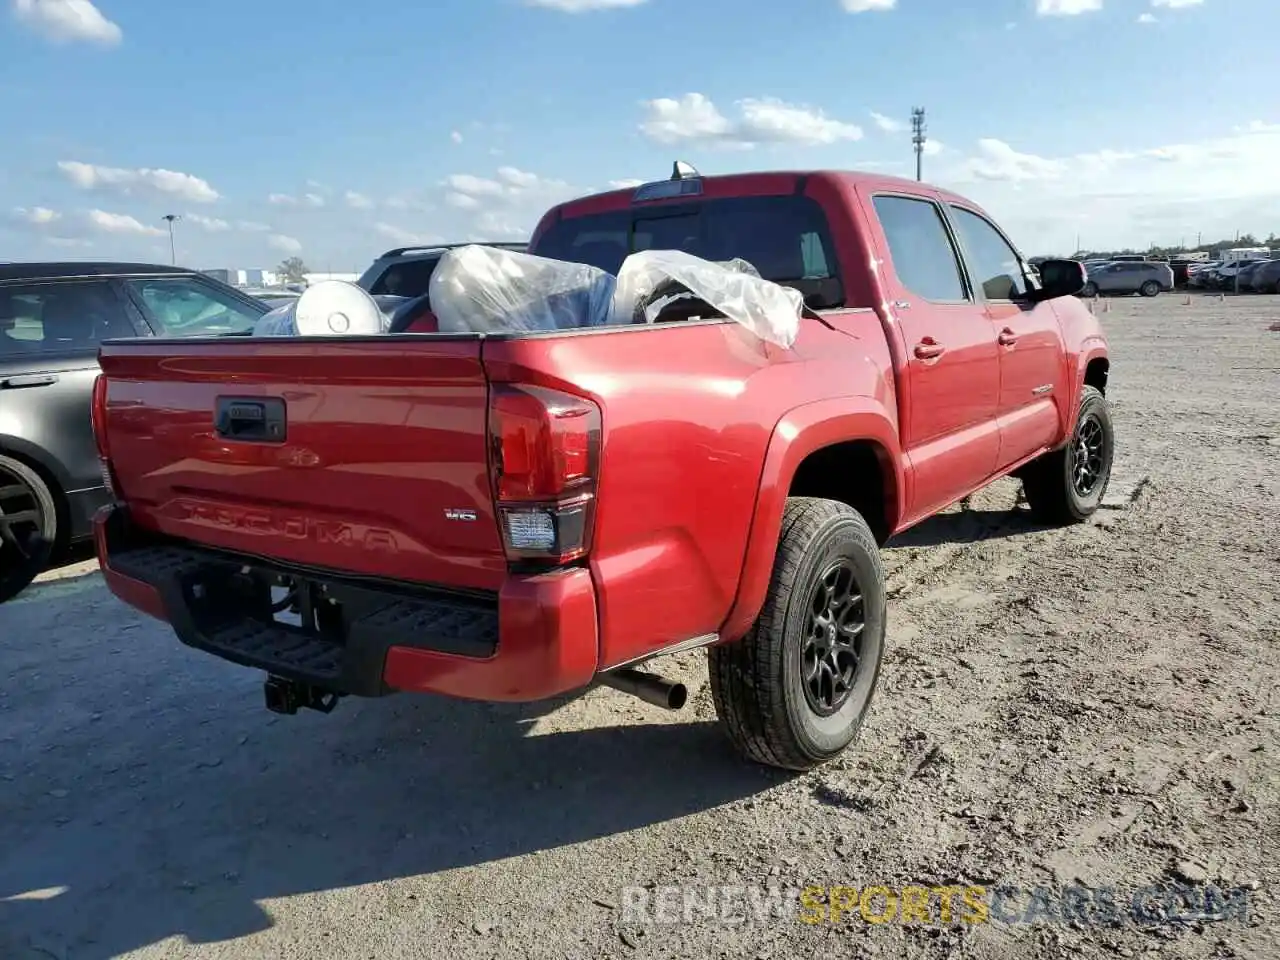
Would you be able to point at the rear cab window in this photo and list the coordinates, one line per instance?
(62, 317)
(785, 238)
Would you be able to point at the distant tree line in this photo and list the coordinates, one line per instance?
(1213, 249)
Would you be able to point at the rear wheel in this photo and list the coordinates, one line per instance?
(1067, 485)
(28, 526)
(1089, 290)
(1149, 289)
(795, 691)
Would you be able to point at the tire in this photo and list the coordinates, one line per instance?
(768, 709)
(1089, 290)
(28, 526)
(1049, 483)
(1149, 289)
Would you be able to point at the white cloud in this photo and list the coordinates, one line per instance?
(67, 20)
(626, 184)
(284, 244)
(1146, 18)
(695, 119)
(211, 224)
(1259, 126)
(1125, 195)
(403, 237)
(289, 200)
(36, 216)
(506, 204)
(122, 223)
(583, 6)
(253, 226)
(933, 147)
(358, 201)
(159, 182)
(864, 6)
(1066, 8)
(456, 136)
(1176, 4)
(888, 124)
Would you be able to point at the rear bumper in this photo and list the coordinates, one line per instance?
(535, 638)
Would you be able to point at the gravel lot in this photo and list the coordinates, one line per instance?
(1095, 706)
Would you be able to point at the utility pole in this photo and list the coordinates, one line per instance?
(171, 217)
(917, 136)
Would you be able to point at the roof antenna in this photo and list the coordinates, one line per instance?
(683, 171)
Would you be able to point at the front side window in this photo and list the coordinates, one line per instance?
(185, 307)
(996, 265)
(923, 256)
(56, 318)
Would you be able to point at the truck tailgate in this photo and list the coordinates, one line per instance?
(367, 456)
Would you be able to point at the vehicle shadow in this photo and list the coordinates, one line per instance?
(968, 526)
(397, 788)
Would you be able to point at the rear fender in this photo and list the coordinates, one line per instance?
(802, 431)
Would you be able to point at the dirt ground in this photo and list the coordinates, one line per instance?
(1060, 709)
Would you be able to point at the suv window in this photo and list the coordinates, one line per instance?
(68, 317)
(408, 278)
(924, 257)
(995, 264)
(187, 307)
(784, 238)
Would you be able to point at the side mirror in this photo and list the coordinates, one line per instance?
(1059, 278)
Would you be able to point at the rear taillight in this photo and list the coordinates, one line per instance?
(98, 418)
(544, 464)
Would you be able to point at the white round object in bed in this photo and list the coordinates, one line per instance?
(334, 308)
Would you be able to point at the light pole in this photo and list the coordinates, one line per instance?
(917, 135)
(171, 217)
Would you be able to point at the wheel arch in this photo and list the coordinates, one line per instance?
(845, 450)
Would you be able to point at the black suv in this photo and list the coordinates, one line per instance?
(406, 271)
(53, 316)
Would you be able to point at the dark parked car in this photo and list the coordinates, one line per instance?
(1266, 278)
(1129, 276)
(53, 316)
(406, 271)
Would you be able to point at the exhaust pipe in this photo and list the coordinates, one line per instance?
(648, 687)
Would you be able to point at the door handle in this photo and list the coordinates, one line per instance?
(29, 380)
(929, 349)
(1007, 337)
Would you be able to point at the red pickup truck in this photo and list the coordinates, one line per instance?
(515, 516)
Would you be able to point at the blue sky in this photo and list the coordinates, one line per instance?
(335, 130)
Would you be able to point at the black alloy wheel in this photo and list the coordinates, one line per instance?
(1088, 455)
(28, 526)
(832, 649)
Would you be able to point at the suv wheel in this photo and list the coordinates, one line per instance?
(1067, 485)
(1089, 290)
(794, 692)
(28, 526)
(1149, 289)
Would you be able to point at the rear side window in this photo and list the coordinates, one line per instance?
(784, 238)
(408, 278)
(51, 318)
(185, 307)
(995, 264)
(924, 257)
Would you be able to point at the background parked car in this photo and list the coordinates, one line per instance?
(1128, 276)
(406, 271)
(53, 316)
(1266, 278)
(1244, 279)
